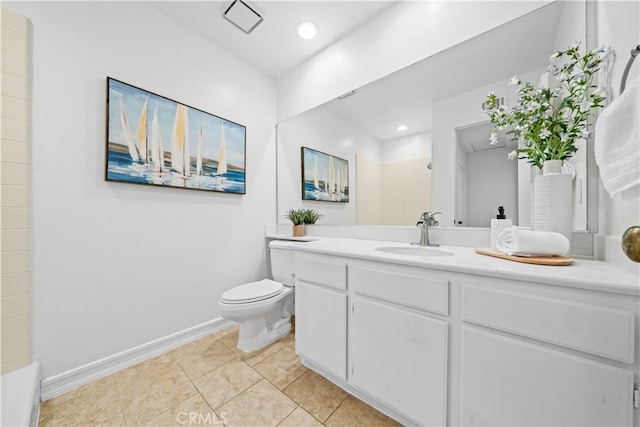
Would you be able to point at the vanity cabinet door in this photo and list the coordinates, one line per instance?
(400, 358)
(321, 327)
(507, 382)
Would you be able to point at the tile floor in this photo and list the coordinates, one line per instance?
(210, 382)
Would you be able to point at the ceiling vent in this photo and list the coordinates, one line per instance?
(243, 16)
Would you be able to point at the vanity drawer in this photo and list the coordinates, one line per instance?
(592, 329)
(417, 289)
(320, 270)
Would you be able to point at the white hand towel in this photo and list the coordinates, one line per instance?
(617, 141)
(515, 241)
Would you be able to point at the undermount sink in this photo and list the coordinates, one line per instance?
(419, 251)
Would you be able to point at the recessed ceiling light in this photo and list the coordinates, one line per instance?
(402, 128)
(307, 30)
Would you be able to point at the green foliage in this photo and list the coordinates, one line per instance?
(311, 216)
(303, 216)
(296, 216)
(547, 122)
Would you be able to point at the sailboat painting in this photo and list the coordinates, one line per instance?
(324, 177)
(158, 141)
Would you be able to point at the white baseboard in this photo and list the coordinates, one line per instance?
(77, 377)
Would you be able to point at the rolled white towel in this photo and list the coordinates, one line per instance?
(515, 241)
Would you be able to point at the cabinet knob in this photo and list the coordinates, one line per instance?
(631, 243)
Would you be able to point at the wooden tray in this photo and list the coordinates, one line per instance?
(554, 260)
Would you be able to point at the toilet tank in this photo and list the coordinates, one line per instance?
(281, 260)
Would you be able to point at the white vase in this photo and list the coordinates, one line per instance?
(553, 200)
(552, 166)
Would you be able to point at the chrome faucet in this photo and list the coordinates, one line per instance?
(426, 220)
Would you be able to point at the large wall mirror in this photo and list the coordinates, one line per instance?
(441, 160)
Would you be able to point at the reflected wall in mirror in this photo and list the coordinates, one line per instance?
(441, 160)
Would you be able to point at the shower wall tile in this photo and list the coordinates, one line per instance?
(15, 185)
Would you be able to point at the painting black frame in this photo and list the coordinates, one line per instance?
(234, 183)
(320, 194)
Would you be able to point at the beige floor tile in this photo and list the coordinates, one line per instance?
(203, 356)
(148, 369)
(256, 357)
(300, 418)
(51, 404)
(92, 404)
(117, 421)
(192, 412)
(289, 340)
(315, 394)
(226, 382)
(230, 339)
(144, 395)
(226, 331)
(281, 368)
(261, 405)
(354, 412)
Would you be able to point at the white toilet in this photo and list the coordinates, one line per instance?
(263, 308)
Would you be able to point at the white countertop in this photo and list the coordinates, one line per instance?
(586, 274)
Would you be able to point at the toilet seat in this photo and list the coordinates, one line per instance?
(252, 292)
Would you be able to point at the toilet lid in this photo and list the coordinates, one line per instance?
(251, 292)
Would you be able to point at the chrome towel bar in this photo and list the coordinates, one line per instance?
(634, 52)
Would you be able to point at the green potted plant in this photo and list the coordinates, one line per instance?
(311, 216)
(297, 217)
(548, 121)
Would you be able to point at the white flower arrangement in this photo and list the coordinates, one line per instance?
(547, 122)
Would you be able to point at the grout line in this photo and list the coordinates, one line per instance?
(334, 411)
(197, 392)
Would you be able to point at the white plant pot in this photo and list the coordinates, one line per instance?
(553, 200)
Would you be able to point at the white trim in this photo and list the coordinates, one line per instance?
(82, 375)
(21, 396)
(610, 248)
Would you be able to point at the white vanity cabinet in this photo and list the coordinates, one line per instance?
(397, 348)
(435, 347)
(545, 358)
(321, 312)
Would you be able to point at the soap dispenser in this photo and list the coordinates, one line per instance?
(499, 224)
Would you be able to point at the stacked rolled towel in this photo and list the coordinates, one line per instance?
(515, 241)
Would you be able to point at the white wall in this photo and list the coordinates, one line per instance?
(118, 265)
(448, 115)
(407, 147)
(320, 130)
(405, 33)
(618, 26)
(492, 181)
(571, 26)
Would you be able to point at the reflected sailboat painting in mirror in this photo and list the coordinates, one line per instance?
(157, 141)
(324, 177)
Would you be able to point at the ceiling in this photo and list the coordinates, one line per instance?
(406, 97)
(274, 47)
